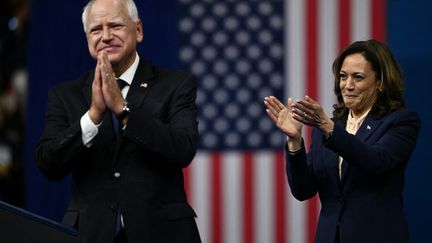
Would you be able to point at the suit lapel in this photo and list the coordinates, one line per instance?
(367, 128)
(141, 83)
(369, 125)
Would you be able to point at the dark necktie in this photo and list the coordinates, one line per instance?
(116, 125)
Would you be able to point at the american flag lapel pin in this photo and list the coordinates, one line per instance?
(143, 85)
(368, 127)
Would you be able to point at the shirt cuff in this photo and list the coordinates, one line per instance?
(89, 130)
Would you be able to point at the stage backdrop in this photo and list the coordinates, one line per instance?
(242, 51)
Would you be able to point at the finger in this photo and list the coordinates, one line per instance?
(97, 72)
(97, 77)
(271, 116)
(108, 65)
(106, 70)
(103, 70)
(307, 105)
(312, 109)
(309, 99)
(301, 114)
(299, 107)
(290, 101)
(271, 108)
(302, 119)
(277, 102)
(271, 103)
(298, 118)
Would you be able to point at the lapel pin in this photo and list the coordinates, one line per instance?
(143, 85)
(368, 127)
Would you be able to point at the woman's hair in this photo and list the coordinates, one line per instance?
(387, 71)
(130, 5)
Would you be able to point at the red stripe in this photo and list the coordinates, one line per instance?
(344, 23)
(311, 48)
(280, 198)
(187, 183)
(217, 199)
(312, 216)
(311, 54)
(312, 91)
(248, 216)
(379, 19)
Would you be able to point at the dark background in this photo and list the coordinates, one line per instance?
(56, 51)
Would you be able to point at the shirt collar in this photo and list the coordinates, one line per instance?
(129, 74)
(359, 120)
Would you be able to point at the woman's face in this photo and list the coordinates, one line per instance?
(358, 83)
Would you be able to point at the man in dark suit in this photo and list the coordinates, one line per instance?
(125, 147)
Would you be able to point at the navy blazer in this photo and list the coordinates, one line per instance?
(366, 204)
(140, 173)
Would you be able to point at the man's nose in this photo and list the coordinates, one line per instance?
(106, 35)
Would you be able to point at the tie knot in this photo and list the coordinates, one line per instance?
(121, 83)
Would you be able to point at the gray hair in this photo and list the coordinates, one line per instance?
(130, 5)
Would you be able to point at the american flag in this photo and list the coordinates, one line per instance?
(242, 51)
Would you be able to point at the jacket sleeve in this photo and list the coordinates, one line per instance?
(60, 143)
(390, 146)
(299, 171)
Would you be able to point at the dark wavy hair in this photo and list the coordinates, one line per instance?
(388, 72)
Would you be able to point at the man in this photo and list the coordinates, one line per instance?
(127, 177)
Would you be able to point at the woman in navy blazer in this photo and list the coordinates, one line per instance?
(357, 159)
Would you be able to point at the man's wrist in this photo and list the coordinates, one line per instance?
(94, 117)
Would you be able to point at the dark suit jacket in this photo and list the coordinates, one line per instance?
(367, 203)
(140, 173)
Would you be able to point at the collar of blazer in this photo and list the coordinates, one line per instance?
(141, 83)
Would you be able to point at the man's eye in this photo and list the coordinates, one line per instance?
(94, 31)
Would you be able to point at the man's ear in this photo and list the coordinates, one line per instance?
(139, 31)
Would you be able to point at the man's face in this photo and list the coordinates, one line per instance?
(110, 29)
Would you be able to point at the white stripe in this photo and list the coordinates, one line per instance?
(232, 189)
(263, 185)
(200, 177)
(360, 20)
(295, 39)
(327, 51)
(288, 220)
(297, 221)
(295, 49)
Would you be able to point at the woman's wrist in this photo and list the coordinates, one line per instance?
(327, 128)
(294, 144)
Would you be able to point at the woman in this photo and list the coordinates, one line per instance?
(357, 159)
